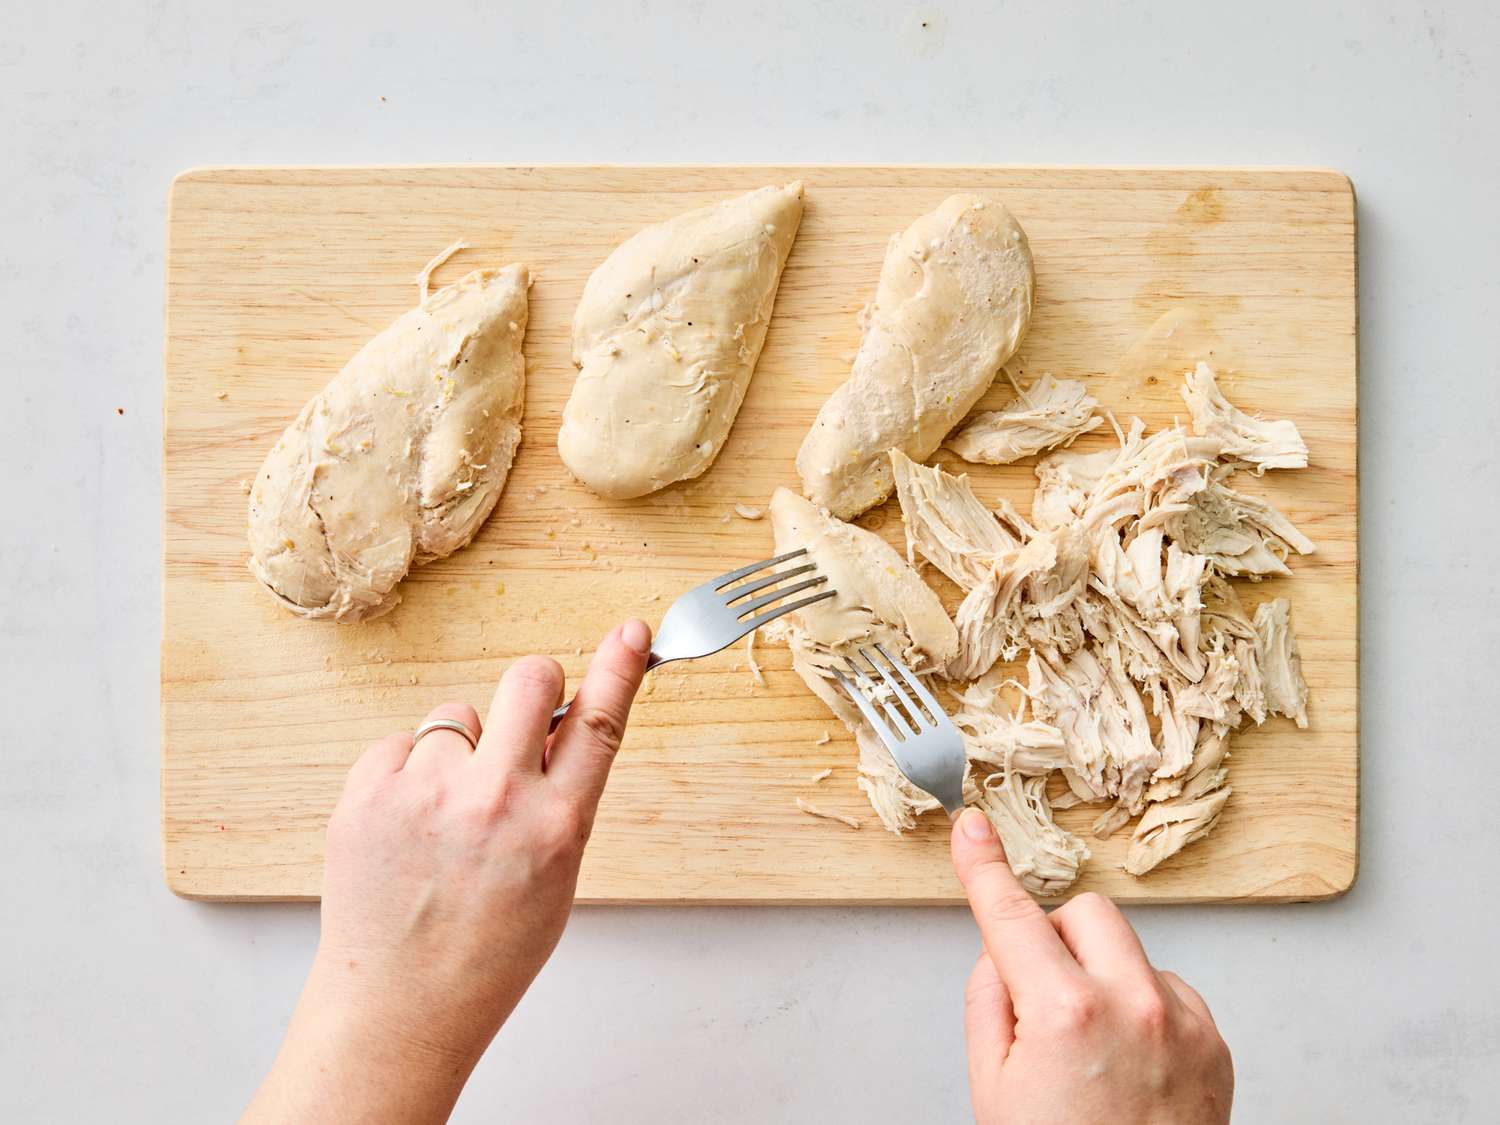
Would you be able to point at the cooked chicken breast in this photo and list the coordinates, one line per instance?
(666, 339)
(953, 303)
(881, 600)
(400, 458)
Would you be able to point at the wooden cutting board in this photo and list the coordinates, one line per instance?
(276, 276)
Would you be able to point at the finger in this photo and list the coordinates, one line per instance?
(380, 759)
(989, 1022)
(1100, 938)
(586, 742)
(1029, 956)
(516, 728)
(440, 749)
(1188, 995)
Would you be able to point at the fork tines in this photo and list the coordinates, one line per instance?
(910, 707)
(774, 592)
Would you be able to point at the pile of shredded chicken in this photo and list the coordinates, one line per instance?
(1139, 658)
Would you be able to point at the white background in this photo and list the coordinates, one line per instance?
(122, 1003)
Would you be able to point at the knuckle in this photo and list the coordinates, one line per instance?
(567, 831)
(1150, 1012)
(539, 674)
(1076, 1007)
(603, 727)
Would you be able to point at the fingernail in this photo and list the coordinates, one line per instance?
(976, 826)
(636, 635)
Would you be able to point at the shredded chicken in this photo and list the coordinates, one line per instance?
(994, 560)
(1139, 658)
(1263, 443)
(1280, 663)
(812, 810)
(1050, 413)
(1045, 857)
(755, 673)
(1003, 739)
(1241, 535)
(1186, 809)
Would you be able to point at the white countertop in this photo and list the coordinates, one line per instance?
(122, 1003)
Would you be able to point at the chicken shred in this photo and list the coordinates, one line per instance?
(1280, 663)
(1262, 443)
(1052, 412)
(1044, 856)
(812, 810)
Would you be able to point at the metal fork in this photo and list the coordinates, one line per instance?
(714, 615)
(922, 739)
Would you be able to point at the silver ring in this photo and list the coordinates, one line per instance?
(445, 724)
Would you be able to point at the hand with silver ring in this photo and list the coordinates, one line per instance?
(446, 724)
(449, 873)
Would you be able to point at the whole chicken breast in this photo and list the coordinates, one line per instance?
(953, 303)
(666, 338)
(400, 458)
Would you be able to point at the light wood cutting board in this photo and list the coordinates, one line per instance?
(276, 276)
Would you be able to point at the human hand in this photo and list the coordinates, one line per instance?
(1066, 1019)
(449, 875)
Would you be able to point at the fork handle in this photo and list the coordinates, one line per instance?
(652, 660)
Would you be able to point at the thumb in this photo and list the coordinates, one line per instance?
(1020, 940)
(589, 736)
(979, 856)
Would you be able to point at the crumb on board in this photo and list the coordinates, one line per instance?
(221, 395)
(755, 673)
(245, 487)
(725, 518)
(812, 810)
(822, 775)
(824, 740)
(747, 512)
(328, 662)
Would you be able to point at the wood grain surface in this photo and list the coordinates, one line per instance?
(276, 276)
